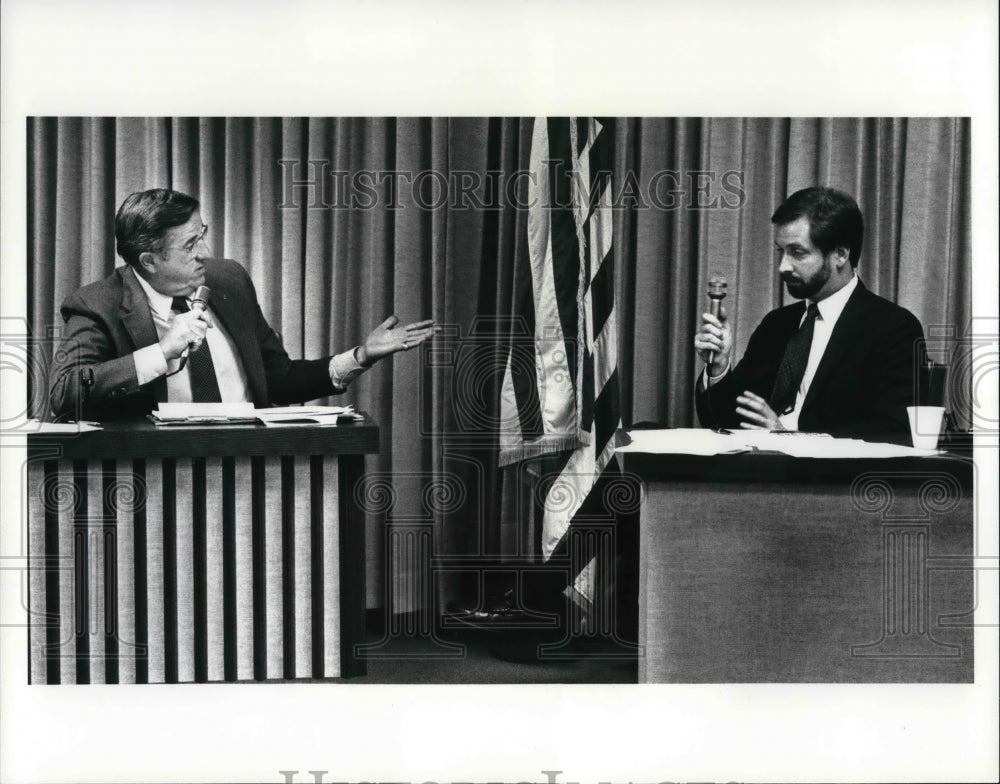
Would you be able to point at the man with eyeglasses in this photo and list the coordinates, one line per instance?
(136, 338)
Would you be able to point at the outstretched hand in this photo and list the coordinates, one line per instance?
(388, 338)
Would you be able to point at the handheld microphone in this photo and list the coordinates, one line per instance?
(199, 302)
(716, 293)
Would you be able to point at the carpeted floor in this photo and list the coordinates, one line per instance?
(417, 656)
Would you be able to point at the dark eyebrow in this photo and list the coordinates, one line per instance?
(195, 235)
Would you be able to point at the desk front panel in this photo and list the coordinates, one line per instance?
(181, 569)
(869, 580)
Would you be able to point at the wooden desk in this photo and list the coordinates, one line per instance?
(220, 553)
(767, 568)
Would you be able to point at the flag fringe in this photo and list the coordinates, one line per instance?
(547, 445)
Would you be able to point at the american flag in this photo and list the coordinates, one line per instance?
(560, 392)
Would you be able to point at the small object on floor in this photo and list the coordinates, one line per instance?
(493, 608)
(495, 614)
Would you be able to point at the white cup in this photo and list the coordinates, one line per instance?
(925, 425)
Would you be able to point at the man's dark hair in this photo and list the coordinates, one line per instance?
(145, 217)
(835, 221)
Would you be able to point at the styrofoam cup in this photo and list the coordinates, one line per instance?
(925, 425)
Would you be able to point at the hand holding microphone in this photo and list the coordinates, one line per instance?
(199, 306)
(714, 340)
(187, 330)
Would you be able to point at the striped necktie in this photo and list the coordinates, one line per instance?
(204, 384)
(793, 365)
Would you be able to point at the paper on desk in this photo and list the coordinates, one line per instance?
(850, 447)
(820, 445)
(683, 441)
(305, 415)
(167, 412)
(279, 411)
(290, 420)
(790, 442)
(33, 426)
(686, 441)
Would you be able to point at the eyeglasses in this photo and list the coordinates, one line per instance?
(191, 244)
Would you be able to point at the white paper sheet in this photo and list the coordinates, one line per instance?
(683, 441)
(279, 411)
(305, 415)
(697, 441)
(33, 426)
(167, 412)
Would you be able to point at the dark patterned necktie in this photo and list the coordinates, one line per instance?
(793, 365)
(204, 384)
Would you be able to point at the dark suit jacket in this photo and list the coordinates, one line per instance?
(867, 377)
(108, 320)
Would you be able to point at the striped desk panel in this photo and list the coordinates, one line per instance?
(173, 570)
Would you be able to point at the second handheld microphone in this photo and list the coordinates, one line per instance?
(716, 293)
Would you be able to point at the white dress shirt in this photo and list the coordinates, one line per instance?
(829, 311)
(150, 363)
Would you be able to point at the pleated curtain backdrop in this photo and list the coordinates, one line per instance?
(325, 274)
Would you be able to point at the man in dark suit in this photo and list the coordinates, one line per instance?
(842, 361)
(133, 339)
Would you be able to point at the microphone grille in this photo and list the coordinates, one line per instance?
(201, 294)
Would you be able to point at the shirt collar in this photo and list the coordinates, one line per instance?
(159, 303)
(831, 307)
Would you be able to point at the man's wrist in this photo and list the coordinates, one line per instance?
(150, 363)
(361, 357)
(344, 368)
(166, 355)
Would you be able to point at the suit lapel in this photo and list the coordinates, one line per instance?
(791, 324)
(135, 313)
(137, 320)
(841, 340)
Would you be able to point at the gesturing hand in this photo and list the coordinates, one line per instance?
(388, 338)
(756, 413)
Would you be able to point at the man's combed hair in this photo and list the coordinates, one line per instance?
(835, 220)
(144, 218)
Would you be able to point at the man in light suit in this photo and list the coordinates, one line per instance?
(843, 361)
(133, 340)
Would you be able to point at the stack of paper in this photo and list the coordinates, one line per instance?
(202, 413)
(305, 415)
(684, 441)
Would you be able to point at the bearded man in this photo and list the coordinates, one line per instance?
(841, 361)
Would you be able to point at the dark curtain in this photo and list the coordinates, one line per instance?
(336, 237)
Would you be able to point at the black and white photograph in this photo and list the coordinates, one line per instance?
(490, 439)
